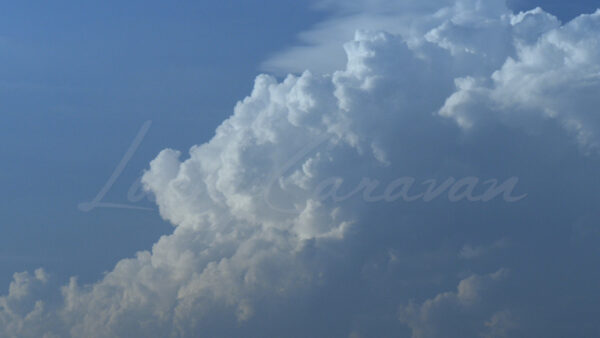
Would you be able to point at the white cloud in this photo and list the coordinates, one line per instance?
(464, 313)
(556, 75)
(255, 252)
(415, 21)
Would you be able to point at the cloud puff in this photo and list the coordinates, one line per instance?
(461, 313)
(555, 75)
(22, 311)
(282, 224)
(415, 21)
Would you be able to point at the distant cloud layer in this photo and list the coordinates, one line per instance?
(430, 91)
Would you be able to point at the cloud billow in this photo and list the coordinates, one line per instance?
(469, 89)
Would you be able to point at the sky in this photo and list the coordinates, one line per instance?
(249, 199)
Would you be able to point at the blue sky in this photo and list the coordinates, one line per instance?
(79, 79)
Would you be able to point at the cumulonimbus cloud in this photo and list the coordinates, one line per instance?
(461, 89)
